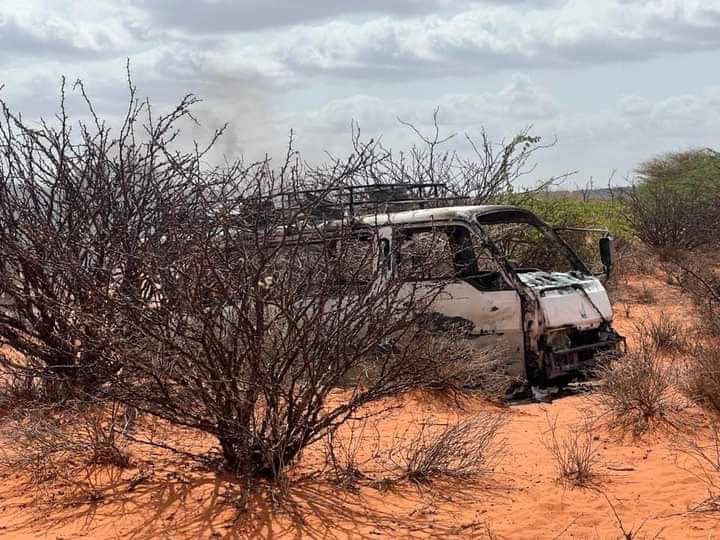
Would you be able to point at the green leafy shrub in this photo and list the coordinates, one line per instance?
(563, 211)
(675, 203)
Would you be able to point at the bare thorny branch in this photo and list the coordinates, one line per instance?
(136, 274)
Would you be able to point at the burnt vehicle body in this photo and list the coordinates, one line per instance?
(551, 319)
(498, 272)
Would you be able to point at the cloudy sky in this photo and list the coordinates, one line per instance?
(616, 81)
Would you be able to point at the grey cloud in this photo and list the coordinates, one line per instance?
(64, 37)
(212, 16)
(263, 78)
(594, 142)
(480, 39)
(17, 40)
(519, 102)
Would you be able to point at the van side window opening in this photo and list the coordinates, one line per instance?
(333, 265)
(438, 253)
(424, 254)
(353, 260)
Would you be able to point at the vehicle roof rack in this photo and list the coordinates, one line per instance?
(350, 200)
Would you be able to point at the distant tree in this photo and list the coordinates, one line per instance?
(675, 203)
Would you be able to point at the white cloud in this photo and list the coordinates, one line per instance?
(409, 40)
(517, 102)
(479, 39)
(65, 30)
(232, 16)
(324, 63)
(592, 142)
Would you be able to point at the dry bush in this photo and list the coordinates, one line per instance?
(196, 294)
(637, 390)
(484, 373)
(646, 295)
(705, 458)
(699, 276)
(487, 175)
(248, 344)
(452, 363)
(19, 390)
(631, 260)
(342, 453)
(701, 376)
(455, 450)
(637, 260)
(666, 334)
(47, 441)
(231, 299)
(75, 200)
(630, 533)
(264, 308)
(442, 355)
(575, 454)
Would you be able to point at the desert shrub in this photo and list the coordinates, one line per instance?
(455, 450)
(637, 390)
(704, 455)
(452, 363)
(482, 371)
(646, 295)
(43, 440)
(701, 377)
(666, 333)
(674, 204)
(138, 274)
(638, 260)
(568, 212)
(700, 278)
(75, 200)
(19, 390)
(628, 532)
(233, 300)
(342, 453)
(268, 317)
(261, 312)
(575, 454)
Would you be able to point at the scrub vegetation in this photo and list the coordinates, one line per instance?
(210, 298)
(150, 302)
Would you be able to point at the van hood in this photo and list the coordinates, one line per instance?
(569, 299)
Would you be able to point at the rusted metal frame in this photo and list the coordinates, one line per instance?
(351, 191)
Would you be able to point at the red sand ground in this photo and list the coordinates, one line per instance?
(651, 483)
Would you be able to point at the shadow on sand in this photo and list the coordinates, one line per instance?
(196, 503)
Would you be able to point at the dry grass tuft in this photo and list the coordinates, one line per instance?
(666, 334)
(342, 455)
(450, 363)
(705, 458)
(701, 377)
(638, 390)
(46, 440)
(628, 533)
(456, 450)
(646, 295)
(576, 454)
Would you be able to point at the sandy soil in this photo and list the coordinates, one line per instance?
(650, 483)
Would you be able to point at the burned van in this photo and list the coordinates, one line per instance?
(514, 282)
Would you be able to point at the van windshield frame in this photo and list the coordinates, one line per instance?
(519, 216)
